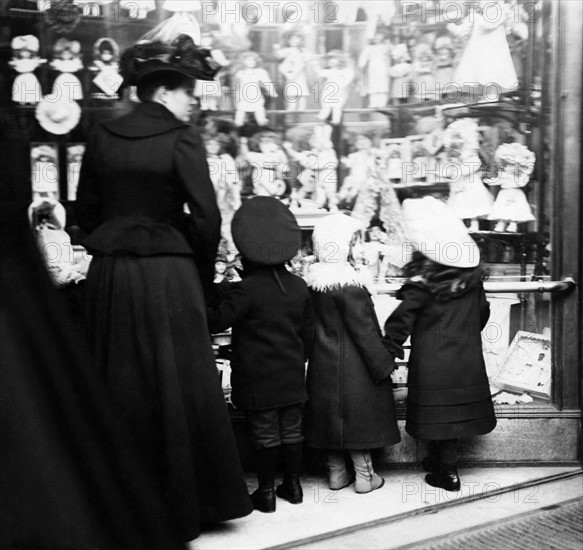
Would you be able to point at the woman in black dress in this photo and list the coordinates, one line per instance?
(146, 311)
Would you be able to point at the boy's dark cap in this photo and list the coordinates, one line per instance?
(265, 231)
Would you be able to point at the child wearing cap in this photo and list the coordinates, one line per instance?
(351, 408)
(271, 316)
(443, 309)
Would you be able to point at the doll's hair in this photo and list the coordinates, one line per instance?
(442, 280)
(294, 32)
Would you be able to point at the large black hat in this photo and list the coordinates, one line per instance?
(265, 231)
(183, 56)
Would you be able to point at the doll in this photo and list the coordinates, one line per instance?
(400, 72)
(45, 175)
(374, 63)
(320, 165)
(225, 178)
(67, 61)
(268, 162)
(106, 64)
(357, 162)
(515, 164)
(210, 93)
(47, 218)
(424, 85)
(486, 61)
(383, 257)
(74, 160)
(220, 269)
(350, 409)
(395, 163)
(26, 88)
(468, 197)
(293, 67)
(443, 70)
(251, 83)
(338, 76)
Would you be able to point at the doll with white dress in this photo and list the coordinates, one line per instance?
(400, 72)
(468, 197)
(486, 62)
(44, 172)
(443, 70)
(210, 93)
(225, 177)
(515, 165)
(338, 77)
(106, 68)
(424, 84)
(374, 63)
(67, 61)
(26, 88)
(251, 83)
(293, 67)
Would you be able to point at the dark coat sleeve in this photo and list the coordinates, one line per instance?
(203, 228)
(484, 309)
(88, 207)
(400, 323)
(357, 310)
(235, 305)
(308, 327)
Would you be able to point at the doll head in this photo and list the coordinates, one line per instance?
(66, 49)
(220, 265)
(321, 138)
(362, 142)
(423, 57)
(444, 51)
(294, 39)
(515, 158)
(337, 59)
(400, 54)
(25, 47)
(461, 137)
(250, 60)
(212, 145)
(207, 40)
(106, 50)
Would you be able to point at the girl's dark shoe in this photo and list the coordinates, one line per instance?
(291, 489)
(447, 478)
(430, 464)
(263, 499)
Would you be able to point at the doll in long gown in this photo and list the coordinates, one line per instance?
(486, 61)
(251, 82)
(374, 63)
(67, 61)
(357, 163)
(338, 76)
(26, 88)
(468, 197)
(293, 67)
(401, 72)
(225, 178)
(210, 92)
(515, 164)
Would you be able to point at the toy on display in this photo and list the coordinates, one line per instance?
(338, 76)
(210, 92)
(374, 63)
(106, 66)
(401, 72)
(468, 197)
(26, 88)
(252, 85)
(515, 165)
(67, 61)
(293, 67)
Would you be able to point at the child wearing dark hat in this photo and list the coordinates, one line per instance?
(271, 316)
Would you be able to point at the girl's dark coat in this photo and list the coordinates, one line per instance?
(272, 333)
(146, 311)
(351, 402)
(448, 389)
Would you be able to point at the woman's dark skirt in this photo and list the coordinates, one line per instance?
(147, 324)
